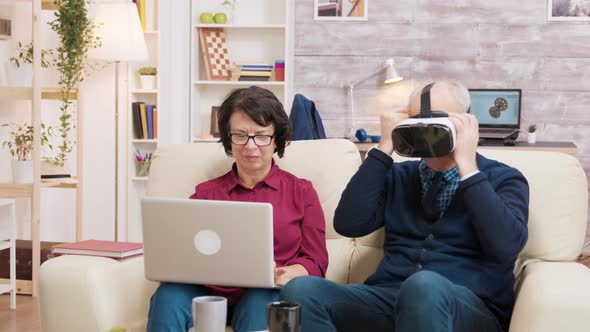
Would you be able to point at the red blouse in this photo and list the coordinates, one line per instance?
(299, 223)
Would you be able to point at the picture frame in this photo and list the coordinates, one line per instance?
(568, 10)
(340, 10)
(214, 129)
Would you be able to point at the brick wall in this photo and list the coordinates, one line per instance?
(484, 44)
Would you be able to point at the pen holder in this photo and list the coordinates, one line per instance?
(142, 168)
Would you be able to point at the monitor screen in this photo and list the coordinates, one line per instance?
(496, 108)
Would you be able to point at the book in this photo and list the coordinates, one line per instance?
(55, 176)
(142, 17)
(100, 248)
(255, 73)
(150, 121)
(259, 66)
(253, 78)
(155, 122)
(137, 119)
(143, 113)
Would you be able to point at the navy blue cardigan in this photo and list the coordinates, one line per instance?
(474, 244)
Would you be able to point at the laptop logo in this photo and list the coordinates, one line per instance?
(207, 242)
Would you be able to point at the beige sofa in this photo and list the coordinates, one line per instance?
(553, 293)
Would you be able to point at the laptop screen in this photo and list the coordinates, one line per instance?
(496, 108)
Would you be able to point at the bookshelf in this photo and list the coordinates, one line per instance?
(136, 185)
(36, 94)
(257, 32)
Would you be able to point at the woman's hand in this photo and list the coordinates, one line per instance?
(284, 274)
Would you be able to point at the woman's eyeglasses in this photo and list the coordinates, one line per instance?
(259, 140)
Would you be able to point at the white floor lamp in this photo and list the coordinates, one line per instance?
(391, 76)
(122, 40)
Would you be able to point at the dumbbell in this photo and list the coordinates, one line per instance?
(362, 136)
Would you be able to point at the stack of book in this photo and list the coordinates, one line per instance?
(145, 120)
(255, 72)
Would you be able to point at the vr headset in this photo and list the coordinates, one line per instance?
(426, 135)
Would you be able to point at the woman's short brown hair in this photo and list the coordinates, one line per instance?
(262, 106)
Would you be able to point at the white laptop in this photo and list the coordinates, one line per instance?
(497, 111)
(208, 242)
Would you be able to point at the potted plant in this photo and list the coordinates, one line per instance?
(531, 133)
(76, 36)
(147, 77)
(20, 145)
(20, 67)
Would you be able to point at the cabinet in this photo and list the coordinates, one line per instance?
(256, 32)
(36, 94)
(137, 173)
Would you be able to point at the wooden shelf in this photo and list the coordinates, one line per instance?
(26, 190)
(206, 139)
(49, 5)
(26, 93)
(139, 178)
(60, 183)
(146, 141)
(259, 83)
(241, 26)
(144, 91)
(55, 93)
(16, 93)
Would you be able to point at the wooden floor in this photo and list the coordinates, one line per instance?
(24, 319)
(26, 316)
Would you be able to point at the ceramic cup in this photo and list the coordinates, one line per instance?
(209, 313)
(283, 317)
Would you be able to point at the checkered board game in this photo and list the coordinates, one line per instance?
(214, 51)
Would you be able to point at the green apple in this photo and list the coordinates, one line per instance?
(220, 18)
(206, 18)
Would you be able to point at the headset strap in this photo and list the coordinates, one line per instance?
(425, 110)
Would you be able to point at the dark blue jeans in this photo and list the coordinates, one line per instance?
(425, 302)
(170, 308)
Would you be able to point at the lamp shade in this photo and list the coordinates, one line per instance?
(121, 36)
(391, 75)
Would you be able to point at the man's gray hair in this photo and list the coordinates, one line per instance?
(458, 90)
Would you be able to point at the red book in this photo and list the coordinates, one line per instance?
(100, 248)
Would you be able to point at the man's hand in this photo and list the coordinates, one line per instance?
(284, 274)
(389, 119)
(467, 129)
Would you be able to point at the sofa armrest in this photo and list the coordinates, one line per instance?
(85, 293)
(553, 296)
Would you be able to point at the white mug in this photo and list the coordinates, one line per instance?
(209, 313)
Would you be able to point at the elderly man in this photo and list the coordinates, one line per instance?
(454, 226)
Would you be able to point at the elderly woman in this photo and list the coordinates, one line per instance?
(253, 126)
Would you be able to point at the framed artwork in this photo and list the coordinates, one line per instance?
(340, 10)
(214, 131)
(214, 53)
(568, 10)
